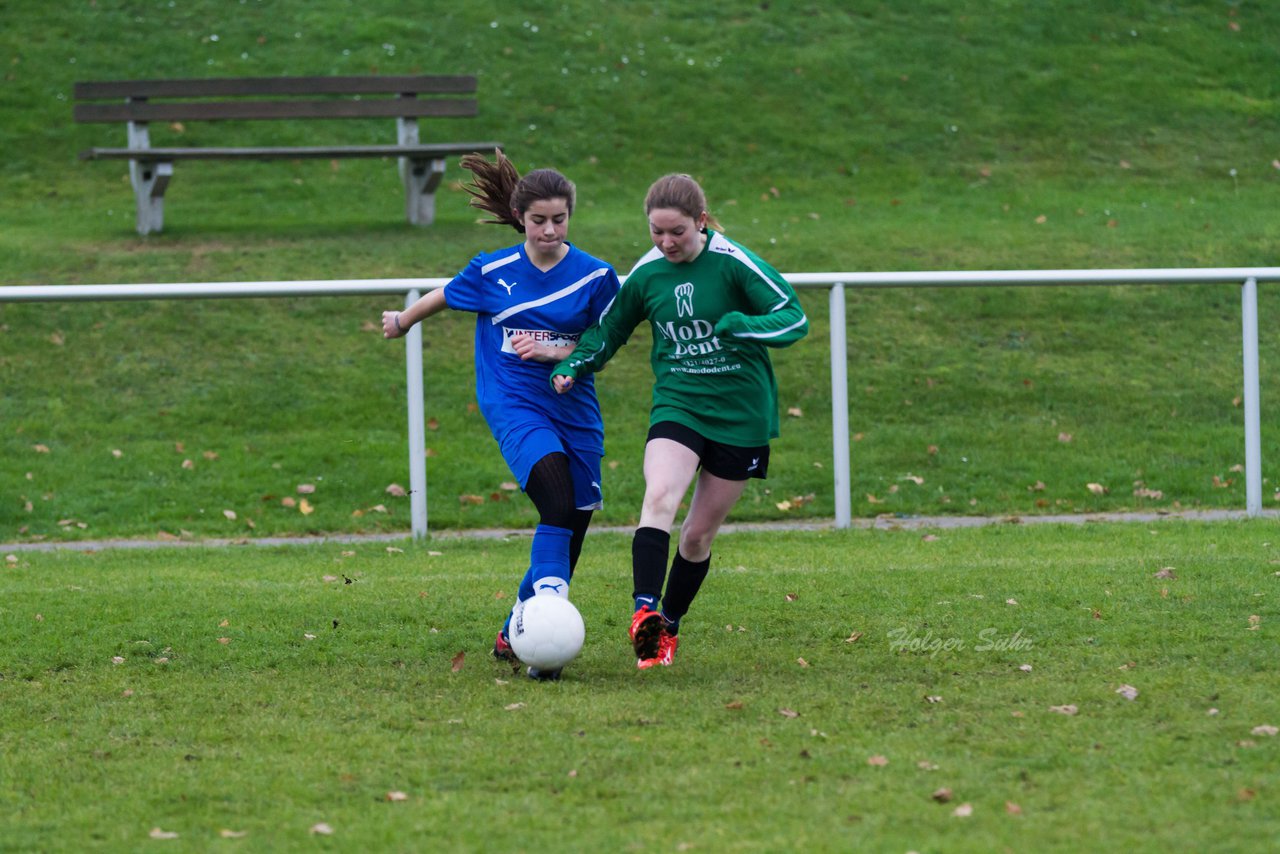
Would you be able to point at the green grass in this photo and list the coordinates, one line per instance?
(864, 137)
(337, 685)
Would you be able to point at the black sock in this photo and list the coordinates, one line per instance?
(682, 586)
(649, 549)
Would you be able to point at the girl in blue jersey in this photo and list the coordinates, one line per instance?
(532, 301)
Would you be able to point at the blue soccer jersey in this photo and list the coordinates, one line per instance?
(509, 296)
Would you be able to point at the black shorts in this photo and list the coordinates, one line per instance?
(728, 462)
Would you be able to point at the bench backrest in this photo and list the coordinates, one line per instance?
(290, 98)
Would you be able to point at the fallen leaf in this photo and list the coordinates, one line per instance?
(1025, 668)
(791, 597)
(932, 698)
(963, 811)
(397, 796)
(189, 464)
(514, 706)
(470, 499)
(224, 641)
(306, 488)
(877, 761)
(1097, 488)
(1166, 572)
(1038, 486)
(305, 508)
(41, 449)
(853, 637)
(289, 501)
(1012, 809)
(157, 833)
(224, 624)
(397, 490)
(233, 834)
(795, 412)
(788, 713)
(802, 662)
(929, 538)
(117, 453)
(322, 829)
(1128, 692)
(1064, 437)
(456, 664)
(733, 705)
(117, 659)
(1064, 710)
(1011, 601)
(941, 795)
(1265, 729)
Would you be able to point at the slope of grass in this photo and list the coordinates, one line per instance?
(864, 137)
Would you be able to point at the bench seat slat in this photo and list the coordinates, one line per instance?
(216, 87)
(148, 155)
(226, 110)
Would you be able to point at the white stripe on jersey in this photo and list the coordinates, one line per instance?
(725, 246)
(549, 298)
(775, 333)
(499, 262)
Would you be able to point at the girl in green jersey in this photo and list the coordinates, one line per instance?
(714, 308)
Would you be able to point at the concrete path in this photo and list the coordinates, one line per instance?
(886, 523)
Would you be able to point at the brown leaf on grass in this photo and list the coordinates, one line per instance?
(433, 424)
(783, 505)
(877, 761)
(1255, 622)
(321, 829)
(1038, 486)
(456, 664)
(1264, 729)
(157, 833)
(1166, 572)
(224, 641)
(1097, 488)
(853, 637)
(1064, 438)
(871, 499)
(795, 412)
(396, 490)
(1065, 710)
(791, 597)
(233, 834)
(802, 662)
(397, 796)
(733, 705)
(224, 624)
(963, 811)
(929, 538)
(1012, 809)
(932, 699)
(230, 514)
(306, 488)
(788, 713)
(40, 449)
(513, 707)
(941, 795)
(1128, 692)
(289, 501)
(305, 508)
(470, 499)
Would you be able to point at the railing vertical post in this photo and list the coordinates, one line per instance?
(417, 426)
(1252, 408)
(840, 407)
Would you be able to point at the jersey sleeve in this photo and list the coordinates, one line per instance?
(464, 291)
(775, 317)
(606, 336)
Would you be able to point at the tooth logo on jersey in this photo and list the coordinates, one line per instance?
(508, 287)
(684, 300)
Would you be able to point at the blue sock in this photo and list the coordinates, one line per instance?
(548, 563)
(647, 601)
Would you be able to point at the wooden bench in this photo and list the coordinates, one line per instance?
(404, 98)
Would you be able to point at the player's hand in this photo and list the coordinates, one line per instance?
(526, 348)
(391, 325)
(562, 383)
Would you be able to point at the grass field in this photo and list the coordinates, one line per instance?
(1022, 688)
(834, 692)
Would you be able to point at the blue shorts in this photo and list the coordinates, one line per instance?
(523, 446)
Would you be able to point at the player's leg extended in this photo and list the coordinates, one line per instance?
(713, 498)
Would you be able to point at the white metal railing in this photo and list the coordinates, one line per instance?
(1247, 277)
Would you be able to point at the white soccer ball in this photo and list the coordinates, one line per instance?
(546, 632)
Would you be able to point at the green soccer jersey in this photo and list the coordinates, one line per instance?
(712, 319)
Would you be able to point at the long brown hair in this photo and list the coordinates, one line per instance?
(498, 189)
(682, 193)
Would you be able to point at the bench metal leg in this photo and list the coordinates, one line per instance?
(421, 178)
(150, 179)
